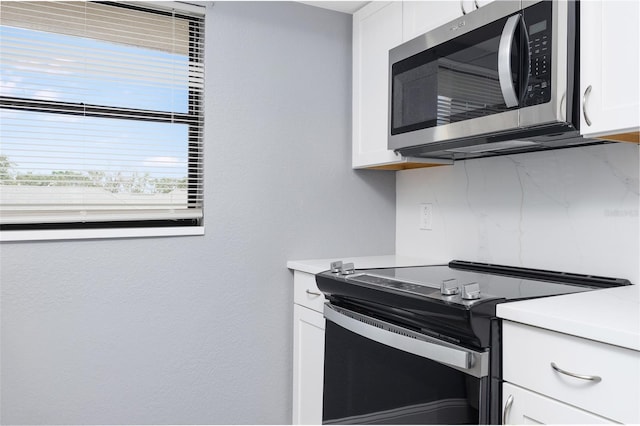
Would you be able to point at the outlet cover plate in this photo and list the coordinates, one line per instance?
(426, 216)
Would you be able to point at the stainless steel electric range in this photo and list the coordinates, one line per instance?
(422, 345)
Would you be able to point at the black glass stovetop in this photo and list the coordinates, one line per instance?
(427, 281)
(412, 296)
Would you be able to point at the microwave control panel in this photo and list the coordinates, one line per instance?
(538, 90)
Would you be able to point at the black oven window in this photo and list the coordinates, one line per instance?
(367, 382)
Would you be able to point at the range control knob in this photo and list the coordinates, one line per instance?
(471, 291)
(347, 269)
(449, 287)
(336, 266)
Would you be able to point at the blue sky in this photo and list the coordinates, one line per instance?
(41, 72)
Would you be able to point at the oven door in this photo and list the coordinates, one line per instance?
(378, 373)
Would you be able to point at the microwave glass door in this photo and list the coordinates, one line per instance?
(473, 75)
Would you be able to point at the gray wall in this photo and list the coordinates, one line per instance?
(198, 329)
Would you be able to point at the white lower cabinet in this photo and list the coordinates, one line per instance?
(308, 350)
(558, 378)
(525, 407)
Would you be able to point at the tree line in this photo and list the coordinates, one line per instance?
(140, 183)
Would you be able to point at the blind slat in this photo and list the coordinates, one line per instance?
(86, 19)
(105, 216)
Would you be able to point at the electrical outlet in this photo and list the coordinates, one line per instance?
(426, 216)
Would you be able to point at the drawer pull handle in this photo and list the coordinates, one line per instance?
(313, 293)
(577, 376)
(507, 408)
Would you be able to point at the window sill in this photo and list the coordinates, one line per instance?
(89, 234)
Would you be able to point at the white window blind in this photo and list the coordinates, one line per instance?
(101, 118)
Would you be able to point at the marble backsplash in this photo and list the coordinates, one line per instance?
(573, 210)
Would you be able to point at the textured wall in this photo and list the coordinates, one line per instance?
(573, 210)
(198, 329)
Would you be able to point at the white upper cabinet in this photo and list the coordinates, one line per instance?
(377, 28)
(479, 3)
(610, 69)
(418, 17)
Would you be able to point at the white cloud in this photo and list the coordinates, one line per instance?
(46, 95)
(8, 88)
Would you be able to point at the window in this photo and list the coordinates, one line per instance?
(101, 115)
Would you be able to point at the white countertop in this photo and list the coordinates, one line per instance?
(610, 315)
(314, 266)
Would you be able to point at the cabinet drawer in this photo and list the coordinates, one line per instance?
(521, 407)
(528, 353)
(305, 291)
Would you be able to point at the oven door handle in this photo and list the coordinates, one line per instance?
(471, 362)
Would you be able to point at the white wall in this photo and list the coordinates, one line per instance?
(197, 330)
(573, 210)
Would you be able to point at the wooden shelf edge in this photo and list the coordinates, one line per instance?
(406, 166)
(633, 137)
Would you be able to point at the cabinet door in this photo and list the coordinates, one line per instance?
(525, 407)
(421, 16)
(377, 28)
(610, 66)
(308, 365)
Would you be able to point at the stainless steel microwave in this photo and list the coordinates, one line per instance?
(502, 79)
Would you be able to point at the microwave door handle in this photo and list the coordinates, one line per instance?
(504, 61)
(526, 62)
